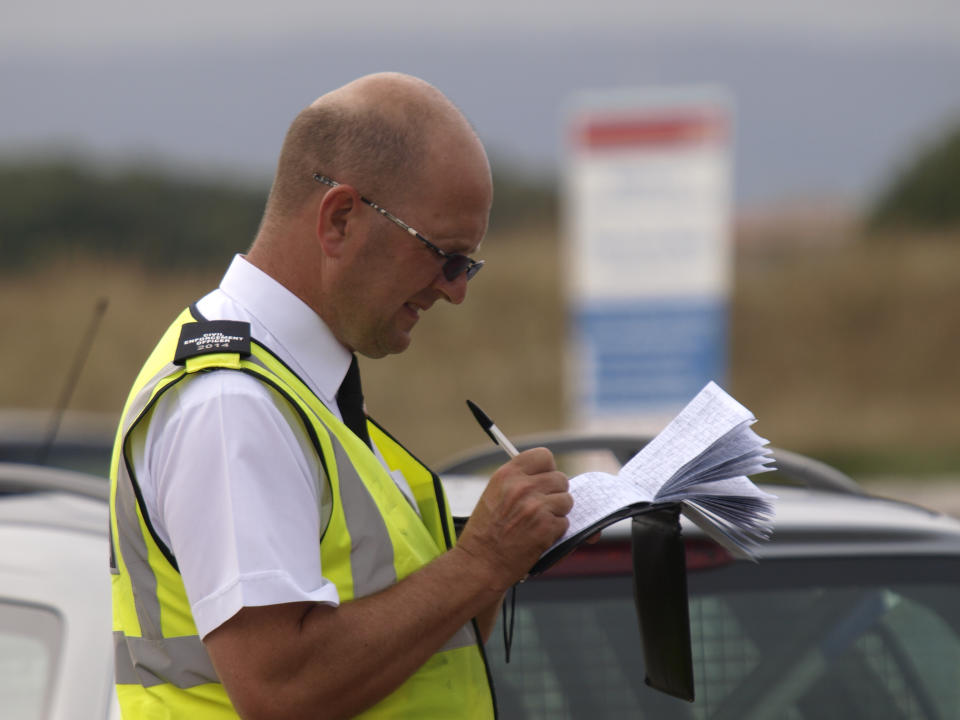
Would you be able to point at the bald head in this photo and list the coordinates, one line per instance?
(380, 133)
(392, 139)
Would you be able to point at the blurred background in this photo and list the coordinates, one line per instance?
(137, 145)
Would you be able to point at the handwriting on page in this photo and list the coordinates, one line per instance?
(594, 493)
(704, 421)
(702, 460)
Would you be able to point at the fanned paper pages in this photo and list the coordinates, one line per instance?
(701, 459)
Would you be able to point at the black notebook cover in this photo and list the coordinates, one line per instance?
(561, 550)
(660, 592)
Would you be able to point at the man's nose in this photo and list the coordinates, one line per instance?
(455, 291)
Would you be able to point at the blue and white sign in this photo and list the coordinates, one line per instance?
(649, 257)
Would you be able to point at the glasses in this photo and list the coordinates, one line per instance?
(453, 263)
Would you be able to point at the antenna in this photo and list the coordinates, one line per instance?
(71, 384)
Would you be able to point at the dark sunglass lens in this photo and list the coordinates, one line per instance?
(455, 265)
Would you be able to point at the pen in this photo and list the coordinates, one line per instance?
(495, 433)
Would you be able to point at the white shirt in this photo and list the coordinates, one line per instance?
(230, 480)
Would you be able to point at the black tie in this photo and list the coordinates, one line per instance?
(350, 402)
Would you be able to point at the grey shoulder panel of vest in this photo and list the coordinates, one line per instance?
(212, 336)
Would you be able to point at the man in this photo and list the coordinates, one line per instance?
(234, 463)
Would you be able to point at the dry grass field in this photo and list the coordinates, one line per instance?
(851, 350)
(843, 349)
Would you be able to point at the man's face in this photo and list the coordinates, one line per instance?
(393, 277)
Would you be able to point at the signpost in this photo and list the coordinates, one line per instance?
(648, 252)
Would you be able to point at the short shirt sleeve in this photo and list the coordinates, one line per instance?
(235, 489)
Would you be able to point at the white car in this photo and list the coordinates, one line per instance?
(56, 644)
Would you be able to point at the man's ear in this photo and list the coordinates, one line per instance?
(336, 217)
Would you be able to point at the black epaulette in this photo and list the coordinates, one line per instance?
(212, 336)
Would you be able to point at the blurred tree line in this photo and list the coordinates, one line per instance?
(165, 220)
(48, 208)
(925, 194)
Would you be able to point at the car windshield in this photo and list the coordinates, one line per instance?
(811, 638)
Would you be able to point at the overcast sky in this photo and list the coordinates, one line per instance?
(95, 24)
(828, 96)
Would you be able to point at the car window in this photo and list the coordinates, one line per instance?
(832, 638)
(29, 646)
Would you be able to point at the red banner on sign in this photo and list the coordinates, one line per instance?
(640, 131)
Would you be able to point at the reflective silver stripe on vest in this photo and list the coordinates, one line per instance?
(179, 661)
(464, 637)
(142, 397)
(132, 544)
(371, 549)
(133, 550)
(150, 659)
(371, 552)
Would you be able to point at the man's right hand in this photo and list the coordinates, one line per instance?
(521, 513)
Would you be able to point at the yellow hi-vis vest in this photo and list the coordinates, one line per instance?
(373, 539)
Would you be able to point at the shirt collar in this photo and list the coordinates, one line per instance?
(289, 327)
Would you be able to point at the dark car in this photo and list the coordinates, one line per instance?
(81, 441)
(853, 611)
